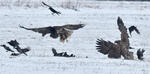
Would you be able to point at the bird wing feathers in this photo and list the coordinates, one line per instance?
(66, 30)
(43, 30)
(46, 4)
(73, 27)
(107, 47)
(123, 30)
(136, 30)
(132, 28)
(57, 31)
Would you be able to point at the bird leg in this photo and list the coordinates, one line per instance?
(63, 41)
(67, 40)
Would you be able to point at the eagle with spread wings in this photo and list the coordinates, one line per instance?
(120, 47)
(63, 32)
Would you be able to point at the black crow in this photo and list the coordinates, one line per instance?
(133, 28)
(21, 50)
(26, 49)
(7, 48)
(55, 52)
(62, 54)
(51, 9)
(13, 43)
(140, 54)
(15, 54)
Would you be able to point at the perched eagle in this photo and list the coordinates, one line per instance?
(57, 31)
(120, 47)
(133, 28)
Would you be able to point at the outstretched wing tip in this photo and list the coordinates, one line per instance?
(82, 25)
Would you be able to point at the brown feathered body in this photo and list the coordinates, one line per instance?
(63, 32)
(107, 47)
(120, 47)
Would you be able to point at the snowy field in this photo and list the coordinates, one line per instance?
(100, 20)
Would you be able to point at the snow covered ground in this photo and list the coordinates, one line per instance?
(100, 19)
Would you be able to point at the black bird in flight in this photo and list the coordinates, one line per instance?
(51, 9)
(133, 28)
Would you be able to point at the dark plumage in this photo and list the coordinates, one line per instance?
(55, 52)
(15, 54)
(44, 31)
(51, 9)
(7, 48)
(133, 28)
(140, 54)
(21, 51)
(57, 31)
(62, 54)
(120, 47)
(107, 47)
(13, 43)
(26, 49)
(16, 46)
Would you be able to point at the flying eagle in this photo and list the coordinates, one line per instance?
(57, 31)
(133, 28)
(120, 47)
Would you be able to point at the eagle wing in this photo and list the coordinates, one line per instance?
(107, 47)
(124, 42)
(73, 26)
(57, 31)
(43, 31)
(123, 30)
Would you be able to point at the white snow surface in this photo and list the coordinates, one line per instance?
(100, 23)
